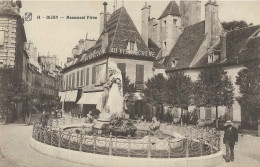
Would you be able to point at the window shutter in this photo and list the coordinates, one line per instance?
(142, 73)
(93, 75)
(67, 82)
(73, 80)
(139, 76)
(87, 77)
(122, 67)
(81, 78)
(77, 78)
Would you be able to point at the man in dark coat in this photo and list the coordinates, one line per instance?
(44, 119)
(230, 137)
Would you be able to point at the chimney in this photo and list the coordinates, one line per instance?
(102, 21)
(213, 26)
(105, 33)
(81, 45)
(34, 55)
(223, 46)
(145, 23)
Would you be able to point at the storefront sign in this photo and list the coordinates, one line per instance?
(138, 52)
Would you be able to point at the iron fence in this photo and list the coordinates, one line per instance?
(196, 142)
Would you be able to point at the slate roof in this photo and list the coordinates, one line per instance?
(121, 30)
(171, 9)
(153, 47)
(186, 46)
(239, 44)
(158, 65)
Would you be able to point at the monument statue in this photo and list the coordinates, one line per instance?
(112, 102)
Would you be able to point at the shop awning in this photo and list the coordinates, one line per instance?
(71, 96)
(62, 96)
(90, 98)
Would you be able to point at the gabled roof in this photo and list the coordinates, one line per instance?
(240, 45)
(121, 30)
(171, 9)
(187, 46)
(238, 41)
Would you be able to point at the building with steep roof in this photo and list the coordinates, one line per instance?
(165, 30)
(119, 43)
(204, 45)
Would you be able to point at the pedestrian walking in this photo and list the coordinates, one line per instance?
(230, 138)
(44, 119)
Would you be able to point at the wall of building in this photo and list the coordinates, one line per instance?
(170, 33)
(193, 74)
(90, 86)
(232, 72)
(8, 24)
(160, 71)
(154, 32)
(131, 67)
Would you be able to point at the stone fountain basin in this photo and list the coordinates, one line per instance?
(123, 143)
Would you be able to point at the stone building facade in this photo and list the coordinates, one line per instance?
(119, 43)
(205, 44)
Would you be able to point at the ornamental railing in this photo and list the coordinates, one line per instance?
(188, 146)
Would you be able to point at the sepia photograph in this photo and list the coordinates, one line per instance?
(127, 83)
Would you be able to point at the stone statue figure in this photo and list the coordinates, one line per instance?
(112, 101)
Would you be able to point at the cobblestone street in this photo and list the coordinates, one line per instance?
(18, 153)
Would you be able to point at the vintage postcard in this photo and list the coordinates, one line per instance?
(170, 83)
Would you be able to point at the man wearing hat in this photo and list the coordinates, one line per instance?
(230, 137)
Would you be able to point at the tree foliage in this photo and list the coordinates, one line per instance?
(213, 89)
(232, 25)
(179, 90)
(154, 92)
(12, 89)
(128, 88)
(249, 82)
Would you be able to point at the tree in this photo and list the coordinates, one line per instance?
(128, 92)
(128, 88)
(154, 92)
(179, 91)
(12, 90)
(213, 89)
(248, 81)
(232, 25)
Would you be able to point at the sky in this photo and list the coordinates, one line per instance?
(60, 36)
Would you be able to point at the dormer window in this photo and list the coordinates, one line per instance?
(131, 46)
(212, 58)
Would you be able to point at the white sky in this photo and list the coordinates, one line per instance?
(60, 36)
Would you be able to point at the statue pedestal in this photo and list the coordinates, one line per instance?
(103, 121)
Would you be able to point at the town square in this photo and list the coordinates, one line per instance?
(129, 83)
